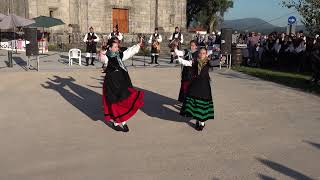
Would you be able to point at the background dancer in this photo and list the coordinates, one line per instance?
(187, 74)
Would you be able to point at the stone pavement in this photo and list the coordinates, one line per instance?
(51, 128)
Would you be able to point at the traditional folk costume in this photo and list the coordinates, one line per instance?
(186, 73)
(155, 40)
(91, 39)
(117, 35)
(176, 37)
(120, 100)
(198, 103)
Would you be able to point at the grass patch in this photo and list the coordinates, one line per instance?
(294, 80)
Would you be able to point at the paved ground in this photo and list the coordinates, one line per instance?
(51, 129)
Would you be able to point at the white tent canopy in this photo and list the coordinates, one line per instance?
(2, 16)
(12, 21)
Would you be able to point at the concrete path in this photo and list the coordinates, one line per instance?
(51, 129)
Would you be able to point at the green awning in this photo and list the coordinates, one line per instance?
(46, 22)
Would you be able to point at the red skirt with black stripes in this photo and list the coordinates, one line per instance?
(123, 110)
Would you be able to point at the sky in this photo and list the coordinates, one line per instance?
(263, 9)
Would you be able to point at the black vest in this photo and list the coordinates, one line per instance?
(174, 36)
(189, 72)
(114, 34)
(155, 36)
(91, 37)
(117, 81)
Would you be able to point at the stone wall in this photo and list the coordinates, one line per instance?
(18, 7)
(98, 13)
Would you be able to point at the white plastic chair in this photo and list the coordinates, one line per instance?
(74, 54)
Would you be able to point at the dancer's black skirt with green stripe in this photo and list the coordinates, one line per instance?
(198, 109)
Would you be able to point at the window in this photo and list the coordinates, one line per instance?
(51, 13)
(171, 20)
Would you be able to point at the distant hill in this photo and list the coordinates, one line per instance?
(256, 25)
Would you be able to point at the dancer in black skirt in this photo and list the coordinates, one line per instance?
(198, 103)
(121, 100)
(186, 73)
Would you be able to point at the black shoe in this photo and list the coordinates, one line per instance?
(150, 62)
(197, 125)
(201, 127)
(125, 128)
(92, 64)
(87, 64)
(116, 128)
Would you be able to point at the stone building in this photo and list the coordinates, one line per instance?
(132, 16)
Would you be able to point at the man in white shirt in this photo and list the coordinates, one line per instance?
(176, 37)
(116, 34)
(91, 39)
(155, 40)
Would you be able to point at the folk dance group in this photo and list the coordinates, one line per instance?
(121, 100)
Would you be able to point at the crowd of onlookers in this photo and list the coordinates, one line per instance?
(295, 52)
(275, 49)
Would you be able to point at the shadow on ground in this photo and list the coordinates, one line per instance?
(22, 63)
(316, 145)
(281, 169)
(265, 177)
(89, 102)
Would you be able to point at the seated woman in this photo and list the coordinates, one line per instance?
(120, 100)
(198, 103)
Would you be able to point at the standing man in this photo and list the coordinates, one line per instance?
(155, 40)
(91, 39)
(116, 34)
(175, 39)
(69, 33)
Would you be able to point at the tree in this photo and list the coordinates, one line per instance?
(207, 11)
(193, 10)
(310, 12)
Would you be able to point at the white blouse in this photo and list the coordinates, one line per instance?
(127, 54)
(181, 60)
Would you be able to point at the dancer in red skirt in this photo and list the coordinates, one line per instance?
(120, 100)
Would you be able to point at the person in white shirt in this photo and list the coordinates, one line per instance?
(155, 40)
(176, 39)
(91, 39)
(121, 100)
(116, 33)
